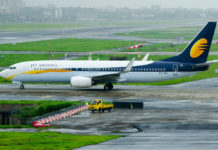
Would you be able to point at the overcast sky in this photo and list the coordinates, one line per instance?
(126, 3)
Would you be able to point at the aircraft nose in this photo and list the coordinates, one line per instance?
(3, 74)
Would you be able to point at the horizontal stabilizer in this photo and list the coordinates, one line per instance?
(207, 63)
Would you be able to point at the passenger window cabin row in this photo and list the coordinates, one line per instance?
(100, 69)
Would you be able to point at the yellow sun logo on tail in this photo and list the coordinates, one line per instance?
(198, 48)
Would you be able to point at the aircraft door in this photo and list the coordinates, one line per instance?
(175, 69)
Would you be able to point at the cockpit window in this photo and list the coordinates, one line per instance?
(12, 68)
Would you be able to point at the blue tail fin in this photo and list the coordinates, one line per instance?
(197, 51)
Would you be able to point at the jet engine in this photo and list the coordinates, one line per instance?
(81, 82)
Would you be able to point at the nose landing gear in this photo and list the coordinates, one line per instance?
(108, 86)
(22, 86)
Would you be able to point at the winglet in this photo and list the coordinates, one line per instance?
(90, 57)
(129, 66)
(146, 57)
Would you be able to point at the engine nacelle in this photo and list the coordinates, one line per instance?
(81, 82)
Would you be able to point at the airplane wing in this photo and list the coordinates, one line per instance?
(115, 76)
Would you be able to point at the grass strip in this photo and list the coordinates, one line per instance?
(49, 140)
(67, 45)
(10, 59)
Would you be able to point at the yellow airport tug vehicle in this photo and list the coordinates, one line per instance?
(97, 104)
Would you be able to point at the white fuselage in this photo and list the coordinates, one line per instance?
(62, 71)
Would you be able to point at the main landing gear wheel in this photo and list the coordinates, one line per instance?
(108, 86)
(22, 86)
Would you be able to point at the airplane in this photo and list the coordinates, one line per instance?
(85, 74)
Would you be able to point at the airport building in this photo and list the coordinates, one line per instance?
(10, 6)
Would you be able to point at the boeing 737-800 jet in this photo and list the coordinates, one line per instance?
(84, 74)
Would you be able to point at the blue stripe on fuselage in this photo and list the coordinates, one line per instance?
(158, 66)
(170, 66)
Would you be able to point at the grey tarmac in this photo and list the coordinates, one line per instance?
(181, 116)
(162, 140)
(202, 89)
(87, 33)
